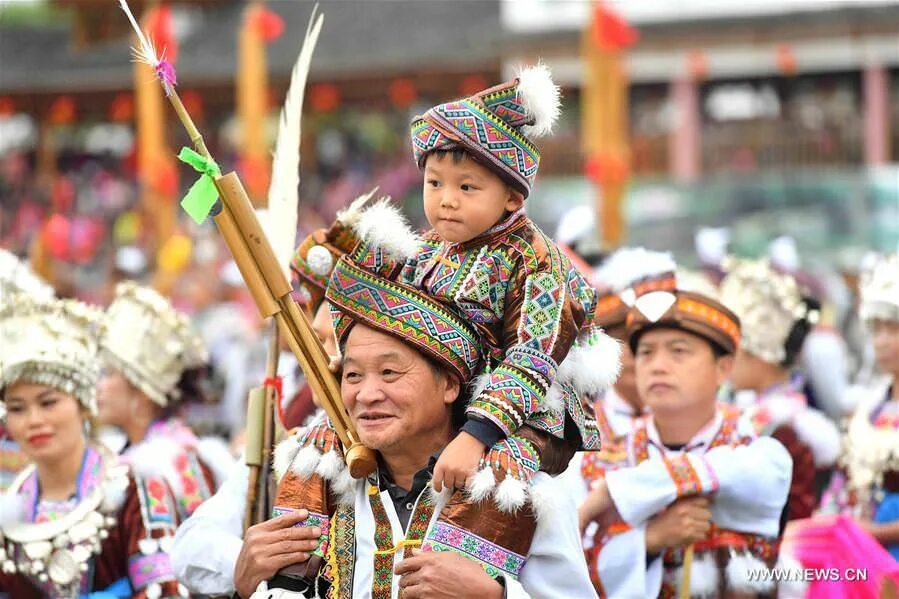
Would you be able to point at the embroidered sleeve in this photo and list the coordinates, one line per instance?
(541, 321)
(148, 522)
(642, 491)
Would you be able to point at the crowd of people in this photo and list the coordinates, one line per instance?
(539, 427)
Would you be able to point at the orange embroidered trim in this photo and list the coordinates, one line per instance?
(712, 316)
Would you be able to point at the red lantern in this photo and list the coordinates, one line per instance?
(402, 93)
(786, 59)
(7, 106)
(55, 235)
(62, 111)
(268, 24)
(611, 31)
(606, 167)
(164, 178)
(697, 65)
(472, 84)
(122, 108)
(324, 97)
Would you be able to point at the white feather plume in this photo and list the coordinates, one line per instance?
(540, 98)
(383, 226)
(740, 578)
(478, 384)
(704, 576)
(629, 265)
(352, 213)
(145, 53)
(156, 458)
(283, 193)
(344, 485)
(544, 498)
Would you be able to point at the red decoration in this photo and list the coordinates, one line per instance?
(7, 106)
(324, 97)
(697, 65)
(472, 84)
(193, 102)
(255, 174)
(158, 24)
(606, 168)
(62, 110)
(164, 177)
(610, 30)
(122, 108)
(268, 24)
(56, 236)
(402, 93)
(786, 59)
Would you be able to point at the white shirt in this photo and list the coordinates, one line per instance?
(748, 485)
(207, 544)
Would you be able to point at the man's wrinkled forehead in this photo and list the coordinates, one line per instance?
(365, 344)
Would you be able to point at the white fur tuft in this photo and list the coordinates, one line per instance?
(704, 576)
(155, 458)
(216, 455)
(553, 402)
(440, 497)
(541, 99)
(114, 494)
(543, 499)
(12, 509)
(593, 365)
(306, 461)
(283, 456)
(511, 494)
(739, 575)
(791, 587)
(630, 265)
(329, 466)
(344, 485)
(821, 435)
(481, 484)
(383, 226)
(478, 384)
(351, 215)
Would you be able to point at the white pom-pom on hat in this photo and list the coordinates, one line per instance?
(541, 99)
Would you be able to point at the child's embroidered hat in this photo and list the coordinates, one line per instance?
(495, 125)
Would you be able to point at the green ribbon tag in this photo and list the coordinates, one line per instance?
(202, 194)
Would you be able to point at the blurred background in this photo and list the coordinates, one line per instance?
(696, 126)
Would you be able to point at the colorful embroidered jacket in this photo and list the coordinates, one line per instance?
(812, 439)
(867, 486)
(529, 305)
(747, 479)
(364, 539)
(170, 449)
(111, 536)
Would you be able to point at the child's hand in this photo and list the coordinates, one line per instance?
(457, 462)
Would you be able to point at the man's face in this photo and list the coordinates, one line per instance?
(463, 200)
(885, 336)
(394, 398)
(677, 371)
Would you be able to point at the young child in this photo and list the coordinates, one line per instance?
(488, 260)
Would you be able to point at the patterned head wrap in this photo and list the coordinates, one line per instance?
(362, 290)
(495, 126)
(666, 303)
(314, 260)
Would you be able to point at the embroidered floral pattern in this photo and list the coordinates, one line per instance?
(494, 559)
